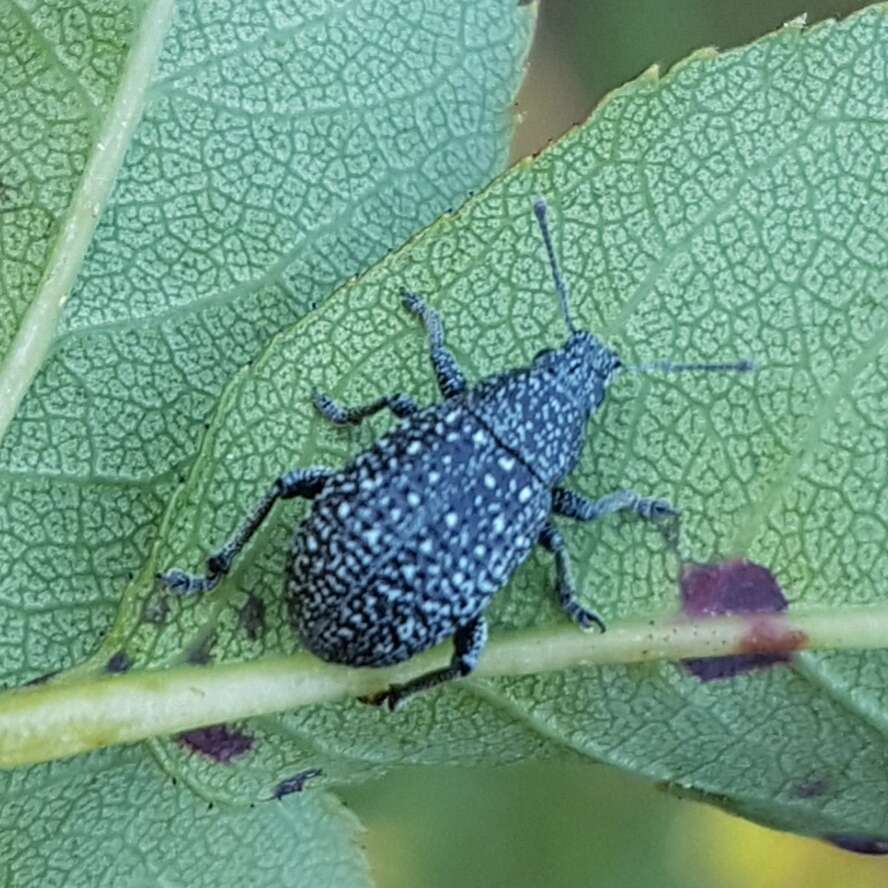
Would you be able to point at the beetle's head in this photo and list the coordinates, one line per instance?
(584, 364)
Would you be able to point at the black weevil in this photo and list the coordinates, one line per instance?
(408, 543)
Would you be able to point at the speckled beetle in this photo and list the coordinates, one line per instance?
(408, 543)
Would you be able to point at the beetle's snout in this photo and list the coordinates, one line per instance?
(590, 357)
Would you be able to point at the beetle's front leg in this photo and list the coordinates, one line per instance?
(552, 540)
(401, 405)
(451, 381)
(468, 642)
(300, 482)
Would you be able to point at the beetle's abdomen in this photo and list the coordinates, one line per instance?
(411, 540)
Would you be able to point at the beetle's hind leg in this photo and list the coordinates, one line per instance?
(451, 381)
(468, 642)
(401, 405)
(307, 483)
(552, 540)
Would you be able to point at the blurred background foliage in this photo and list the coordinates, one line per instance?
(566, 825)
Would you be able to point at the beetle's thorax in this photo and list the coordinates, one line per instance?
(540, 412)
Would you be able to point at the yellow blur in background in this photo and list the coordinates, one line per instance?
(574, 825)
(744, 855)
(567, 825)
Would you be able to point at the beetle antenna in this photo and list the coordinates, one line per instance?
(744, 366)
(539, 209)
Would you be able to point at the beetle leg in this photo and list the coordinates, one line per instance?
(401, 405)
(551, 539)
(299, 482)
(468, 642)
(575, 505)
(450, 378)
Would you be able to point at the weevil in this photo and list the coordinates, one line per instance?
(409, 542)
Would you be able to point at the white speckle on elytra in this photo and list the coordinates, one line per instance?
(426, 547)
(499, 524)
(480, 437)
(489, 481)
(525, 494)
(414, 447)
(507, 463)
(344, 510)
(451, 519)
(413, 499)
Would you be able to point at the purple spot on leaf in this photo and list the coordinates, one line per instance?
(296, 783)
(812, 788)
(739, 587)
(252, 617)
(859, 843)
(731, 587)
(217, 742)
(715, 668)
(119, 662)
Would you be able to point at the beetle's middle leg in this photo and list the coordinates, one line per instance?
(552, 540)
(468, 642)
(401, 405)
(574, 505)
(307, 483)
(451, 381)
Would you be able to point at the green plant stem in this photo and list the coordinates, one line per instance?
(61, 718)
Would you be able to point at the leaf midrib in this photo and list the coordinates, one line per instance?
(32, 342)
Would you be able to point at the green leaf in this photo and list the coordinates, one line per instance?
(105, 820)
(734, 208)
(260, 154)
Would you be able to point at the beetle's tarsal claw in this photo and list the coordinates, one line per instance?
(391, 698)
(588, 619)
(659, 510)
(412, 302)
(184, 584)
